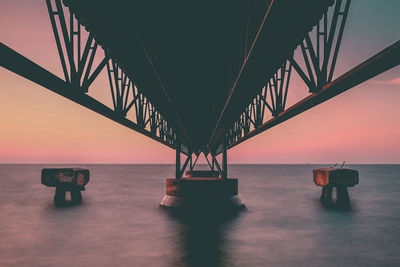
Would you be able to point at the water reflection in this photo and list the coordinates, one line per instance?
(118, 223)
(202, 237)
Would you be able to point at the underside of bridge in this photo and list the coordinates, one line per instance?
(199, 76)
(187, 57)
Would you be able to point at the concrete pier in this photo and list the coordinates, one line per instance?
(331, 179)
(201, 193)
(64, 180)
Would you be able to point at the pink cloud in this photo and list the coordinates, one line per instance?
(395, 81)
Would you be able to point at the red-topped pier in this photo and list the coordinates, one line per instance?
(204, 191)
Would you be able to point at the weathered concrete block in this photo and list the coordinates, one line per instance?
(202, 193)
(66, 179)
(54, 177)
(335, 177)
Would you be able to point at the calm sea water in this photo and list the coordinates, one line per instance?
(120, 223)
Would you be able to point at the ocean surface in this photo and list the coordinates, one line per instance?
(120, 223)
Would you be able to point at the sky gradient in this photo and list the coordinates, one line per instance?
(359, 126)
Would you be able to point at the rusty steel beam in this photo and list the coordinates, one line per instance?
(377, 64)
(15, 62)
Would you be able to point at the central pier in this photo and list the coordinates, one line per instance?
(204, 192)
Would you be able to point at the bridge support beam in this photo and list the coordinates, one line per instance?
(375, 65)
(24, 67)
(178, 162)
(224, 162)
(202, 191)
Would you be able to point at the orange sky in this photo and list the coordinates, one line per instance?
(359, 126)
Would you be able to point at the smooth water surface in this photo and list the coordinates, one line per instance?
(120, 223)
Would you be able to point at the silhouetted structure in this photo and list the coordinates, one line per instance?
(335, 179)
(202, 189)
(66, 179)
(199, 77)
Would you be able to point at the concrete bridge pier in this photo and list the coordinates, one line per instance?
(200, 189)
(59, 197)
(202, 193)
(335, 179)
(66, 179)
(340, 199)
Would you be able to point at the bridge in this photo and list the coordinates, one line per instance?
(199, 77)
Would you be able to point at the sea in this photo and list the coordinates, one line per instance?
(120, 223)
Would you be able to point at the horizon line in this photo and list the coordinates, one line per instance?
(102, 163)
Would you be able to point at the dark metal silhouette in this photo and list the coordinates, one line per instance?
(377, 64)
(199, 80)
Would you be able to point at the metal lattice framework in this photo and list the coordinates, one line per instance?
(79, 72)
(83, 58)
(319, 56)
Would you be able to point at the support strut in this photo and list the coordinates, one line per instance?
(178, 161)
(225, 161)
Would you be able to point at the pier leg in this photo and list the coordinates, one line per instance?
(328, 198)
(323, 194)
(225, 162)
(178, 161)
(326, 195)
(76, 197)
(59, 197)
(342, 199)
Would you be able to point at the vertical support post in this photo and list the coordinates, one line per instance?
(178, 160)
(224, 161)
(191, 162)
(212, 163)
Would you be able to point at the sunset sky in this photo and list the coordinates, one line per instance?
(359, 126)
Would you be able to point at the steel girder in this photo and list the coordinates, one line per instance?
(22, 66)
(77, 64)
(77, 53)
(319, 55)
(377, 64)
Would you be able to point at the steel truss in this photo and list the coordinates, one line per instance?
(78, 53)
(79, 72)
(272, 97)
(377, 64)
(221, 168)
(319, 57)
(76, 64)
